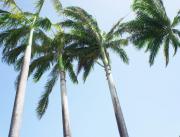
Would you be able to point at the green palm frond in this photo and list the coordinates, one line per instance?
(58, 6)
(80, 15)
(11, 56)
(79, 33)
(40, 65)
(44, 100)
(177, 32)
(86, 58)
(10, 38)
(116, 30)
(14, 48)
(116, 42)
(40, 71)
(166, 51)
(85, 65)
(39, 4)
(87, 69)
(18, 63)
(154, 8)
(72, 74)
(70, 23)
(69, 68)
(46, 41)
(121, 52)
(8, 2)
(176, 20)
(43, 23)
(154, 48)
(9, 20)
(175, 43)
(12, 4)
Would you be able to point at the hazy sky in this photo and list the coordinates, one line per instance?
(150, 96)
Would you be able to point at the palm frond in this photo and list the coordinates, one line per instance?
(166, 50)
(12, 37)
(12, 4)
(116, 29)
(154, 48)
(80, 15)
(40, 65)
(43, 23)
(58, 6)
(177, 32)
(154, 8)
(175, 43)
(85, 64)
(121, 53)
(69, 67)
(11, 56)
(176, 20)
(39, 4)
(44, 100)
(11, 20)
(18, 63)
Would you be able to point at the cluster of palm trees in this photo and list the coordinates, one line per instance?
(29, 45)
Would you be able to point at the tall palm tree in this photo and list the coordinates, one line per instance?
(19, 35)
(57, 57)
(152, 28)
(48, 53)
(92, 45)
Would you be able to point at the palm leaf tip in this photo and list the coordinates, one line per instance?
(166, 51)
(121, 53)
(72, 75)
(116, 28)
(87, 69)
(42, 106)
(44, 100)
(39, 5)
(57, 5)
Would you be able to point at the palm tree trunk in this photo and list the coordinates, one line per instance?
(116, 104)
(20, 93)
(64, 102)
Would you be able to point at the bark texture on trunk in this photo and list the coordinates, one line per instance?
(64, 102)
(115, 100)
(20, 93)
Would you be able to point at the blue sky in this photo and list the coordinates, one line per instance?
(150, 96)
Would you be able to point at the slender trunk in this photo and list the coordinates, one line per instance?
(64, 102)
(117, 108)
(20, 93)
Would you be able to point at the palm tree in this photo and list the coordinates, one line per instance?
(18, 30)
(57, 57)
(92, 45)
(152, 28)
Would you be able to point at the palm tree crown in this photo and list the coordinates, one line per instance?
(88, 39)
(54, 56)
(152, 28)
(15, 33)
